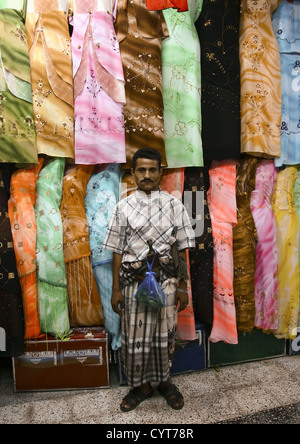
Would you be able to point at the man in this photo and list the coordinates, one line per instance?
(149, 221)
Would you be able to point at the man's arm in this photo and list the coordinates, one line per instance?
(117, 297)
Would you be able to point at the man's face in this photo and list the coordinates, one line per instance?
(147, 175)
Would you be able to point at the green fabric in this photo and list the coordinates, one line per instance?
(17, 128)
(181, 64)
(52, 282)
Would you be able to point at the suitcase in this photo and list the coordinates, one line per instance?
(81, 362)
(254, 346)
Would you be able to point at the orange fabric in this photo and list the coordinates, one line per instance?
(222, 205)
(181, 5)
(84, 299)
(23, 226)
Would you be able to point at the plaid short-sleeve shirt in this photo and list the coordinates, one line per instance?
(139, 218)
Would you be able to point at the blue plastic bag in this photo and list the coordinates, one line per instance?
(150, 292)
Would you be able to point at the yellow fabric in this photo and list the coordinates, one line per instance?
(288, 247)
(52, 81)
(260, 80)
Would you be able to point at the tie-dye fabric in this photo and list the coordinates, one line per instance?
(266, 282)
(222, 206)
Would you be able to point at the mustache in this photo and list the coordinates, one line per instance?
(147, 181)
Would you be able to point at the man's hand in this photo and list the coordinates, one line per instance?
(117, 302)
(181, 299)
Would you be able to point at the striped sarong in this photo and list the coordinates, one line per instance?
(148, 337)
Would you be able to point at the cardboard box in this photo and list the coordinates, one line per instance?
(81, 362)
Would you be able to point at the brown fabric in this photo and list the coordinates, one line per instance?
(244, 246)
(84, 300)
(139, 32)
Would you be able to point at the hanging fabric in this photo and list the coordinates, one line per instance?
(84, 300)
(51, 271)
(181, 68)
(140, 32)
(218, 30)
(297, 205)
(17, 129)
(180, 5)
(260, 80)
(266, 264)
(287, 224)
(286, 24)
(49, 48)
(201, 257)
(102, 195)
(23, 226)
(99, 84)
(244, 246)
(224, 218)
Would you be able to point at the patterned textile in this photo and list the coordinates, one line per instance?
(131, 227)
(181, 5)
(266, 281)
(52, 77)
(148, 337)
(51, 270)
(223, 218)
(287, 225)
(201, 257)
(99, 84)
(84, 300)
(218, 30)
(297, 204)
(140, 32)
(102, 195)
(260, 80)
(286, 24)
(181, 69)
(244, 246)
(17, 129)
(23, 226)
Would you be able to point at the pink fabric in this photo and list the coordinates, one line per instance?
(266, 282)
(99, 90)
(222, 206)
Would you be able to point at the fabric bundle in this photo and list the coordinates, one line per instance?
(102, 195)
(84, 300)
(17, 129)
(23, 226)
(51, 271)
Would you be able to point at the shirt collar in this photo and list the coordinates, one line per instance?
(153, 197)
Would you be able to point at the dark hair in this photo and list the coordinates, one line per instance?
(146, 153)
